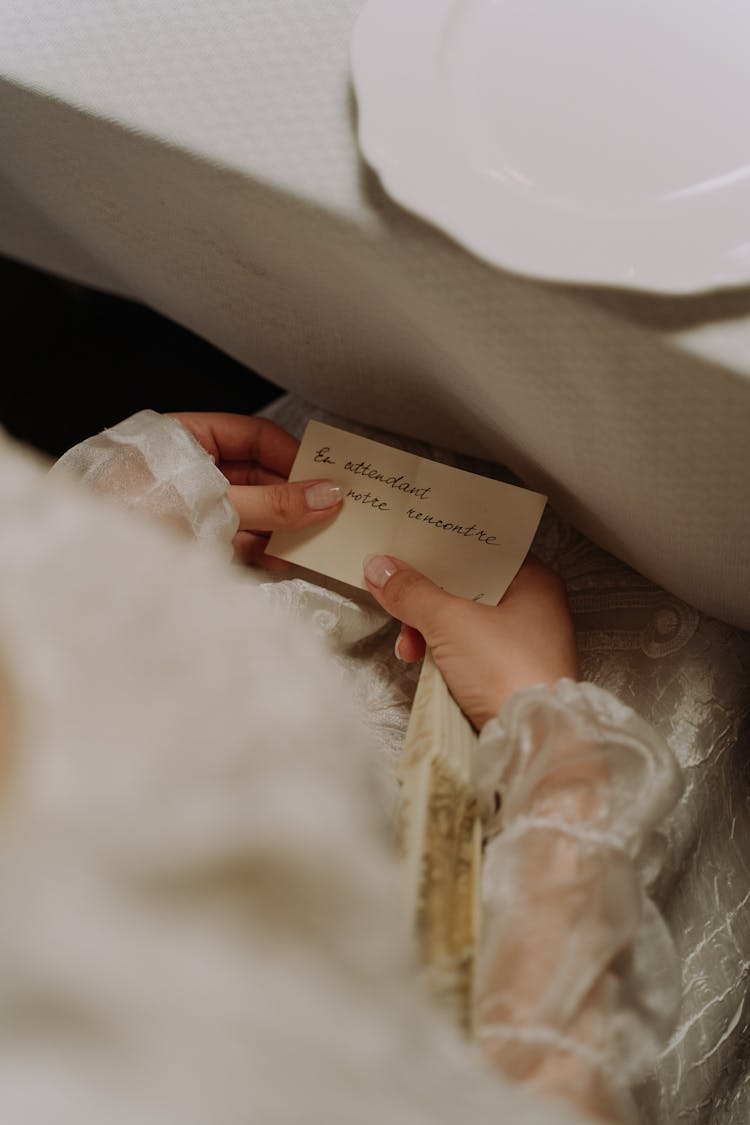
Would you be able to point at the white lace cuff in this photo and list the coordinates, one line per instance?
(577, 977)
(151, 463)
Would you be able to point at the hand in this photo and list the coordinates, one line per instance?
(256, 457)
(485, 653)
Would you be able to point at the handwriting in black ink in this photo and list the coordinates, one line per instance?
(400, 483)
(470, 532)
(322, 458)
(368, 499)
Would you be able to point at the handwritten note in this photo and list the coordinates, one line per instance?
(467, 533)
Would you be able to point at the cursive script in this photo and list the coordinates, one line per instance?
(464, 531)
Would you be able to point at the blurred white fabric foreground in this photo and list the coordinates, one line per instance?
(186, 832)
(199, 920)
(201, 156)
(595, 1008)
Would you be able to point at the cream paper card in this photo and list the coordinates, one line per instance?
(469, 534)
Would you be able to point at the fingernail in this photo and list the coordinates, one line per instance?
(397, 649)
(378, 569)
(323, 494)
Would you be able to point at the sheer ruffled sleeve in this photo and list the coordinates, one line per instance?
(151, 463)
(578, 983)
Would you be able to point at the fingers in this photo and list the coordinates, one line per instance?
(240, 472)
(410, 645)
(406, 594)
(256, 456)
(270, 507)
(251, 550)
(242, 437)
(533, 579)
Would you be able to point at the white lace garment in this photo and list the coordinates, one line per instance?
(102, 821)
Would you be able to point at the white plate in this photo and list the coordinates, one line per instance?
(597, 141)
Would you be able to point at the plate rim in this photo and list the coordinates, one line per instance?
(649, 274)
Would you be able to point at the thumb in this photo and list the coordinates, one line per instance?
(405, 593)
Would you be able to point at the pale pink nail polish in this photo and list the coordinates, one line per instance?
(378, 569)
(323, 494)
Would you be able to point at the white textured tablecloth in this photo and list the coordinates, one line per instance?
(201, 156)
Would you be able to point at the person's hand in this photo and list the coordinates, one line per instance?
(256, 457)
(485, 653)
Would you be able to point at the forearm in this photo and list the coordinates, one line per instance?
(572, 1000)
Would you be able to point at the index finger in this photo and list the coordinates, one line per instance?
(243, 437)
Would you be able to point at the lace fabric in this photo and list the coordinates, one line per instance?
(573, 787)
(150, 463)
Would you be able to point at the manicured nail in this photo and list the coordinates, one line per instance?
(378, 569)
(323, 494)
(398, 650)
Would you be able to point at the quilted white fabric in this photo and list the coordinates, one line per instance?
(202, 156)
